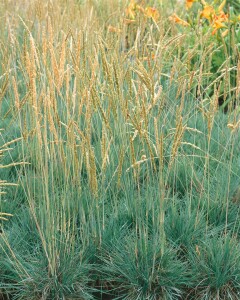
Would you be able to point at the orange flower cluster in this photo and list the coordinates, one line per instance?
(219, 21)
(149, 12)
(216, 17)
(131, 12)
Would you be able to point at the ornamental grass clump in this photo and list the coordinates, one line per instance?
(216, 268)
(139, 269)
(126, 170)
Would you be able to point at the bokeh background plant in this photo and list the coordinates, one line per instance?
(218, 23)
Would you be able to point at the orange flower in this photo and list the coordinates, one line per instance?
(208, 12)
(217, 25)
(178, 20)
(152, 12)
(222, 17)
(218, 21)
(189, 3)
(130, 10)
